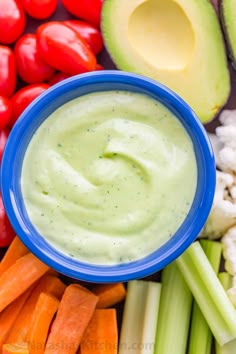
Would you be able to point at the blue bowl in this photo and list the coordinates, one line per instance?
(39, 110)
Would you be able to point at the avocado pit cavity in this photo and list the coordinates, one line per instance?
(161, 33)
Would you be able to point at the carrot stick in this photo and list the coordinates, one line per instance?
(9, 315)
(74, 313)
(42, 316)
(109, 294)
(21, 348)
(19, 277)
(16, 250)
(53, 272)
(47, 284)
(101, 335)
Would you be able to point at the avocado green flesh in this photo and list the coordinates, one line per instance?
(228, 16)
(178, 43)
(109, 177)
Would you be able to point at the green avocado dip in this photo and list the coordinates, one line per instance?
(109, 177)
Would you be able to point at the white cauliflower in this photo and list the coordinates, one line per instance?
(222, 219)
(229, 253)
(226, 145)
(216, 145)
(229, 250)
(223, 212)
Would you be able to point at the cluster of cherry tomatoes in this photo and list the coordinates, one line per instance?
(36, 61)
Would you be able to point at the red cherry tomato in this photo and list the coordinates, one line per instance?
(29, 65)
(24, 97)
(90, 33)
(5, 111)
(7, 71)
(89, 10)
(12, 21)
(3, 139)
(39, 9)
(99, 67)
(57, 78)
(63, 48)
(6, 231)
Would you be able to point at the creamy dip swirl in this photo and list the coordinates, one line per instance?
(109, 177)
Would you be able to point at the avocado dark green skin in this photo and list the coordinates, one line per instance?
(230, 53)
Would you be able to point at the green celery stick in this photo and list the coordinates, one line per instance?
(140, 317)
(133, 316)
(208, 292)
(174, 314)
(229, 348)
(200, 335)
(226, 280)
(150, 317)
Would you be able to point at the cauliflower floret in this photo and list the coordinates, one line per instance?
(226, 145)
(227, 117)
(223, 212)
(229, 250)
(229, 253)
(216, 145)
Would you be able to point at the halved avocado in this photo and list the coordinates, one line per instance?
(228, 18)
(176, 42)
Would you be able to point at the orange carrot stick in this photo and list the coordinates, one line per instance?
(109, 294)
(16, 250)
(19, 277)
(47, 284)
(21, 348)
(9, 315)
(53, 272)
(74, 313)
(101, 335)
(42, 316)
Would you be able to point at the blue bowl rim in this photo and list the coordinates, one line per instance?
(127, 271)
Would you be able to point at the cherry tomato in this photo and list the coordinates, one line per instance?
(6, 231)
(24, 97)
(29, 65)
(40, 9)
(5, 111)
(3, 139)
(89, 10)
(63, 48)
(57, 78)
(99, 67)
(12, 21)
(90, 33)
(7, 71)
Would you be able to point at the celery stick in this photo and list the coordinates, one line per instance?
(226, 280)
(232, 295)
(140, 318)
(200, 335)
(213, 251)
(133, 316)
(208, 293)
(229, 348)
(150, 317)
(174, 314)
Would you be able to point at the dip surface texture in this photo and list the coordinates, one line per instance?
(109, 177)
